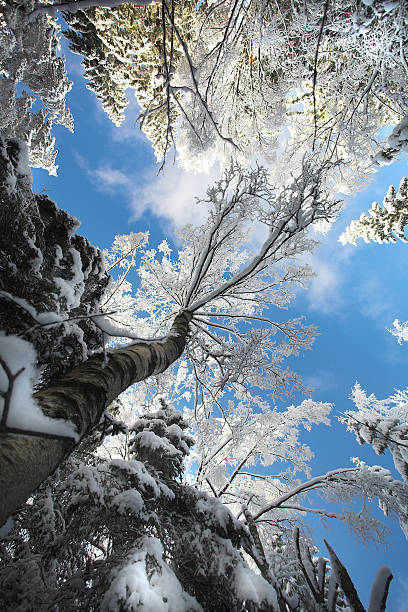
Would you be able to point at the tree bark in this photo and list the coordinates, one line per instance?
(80, 396)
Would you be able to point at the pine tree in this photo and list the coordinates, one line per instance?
(133, 47)
(129, 534)
(52, 279)
(384, 224)
(30, 58)
(381, 423)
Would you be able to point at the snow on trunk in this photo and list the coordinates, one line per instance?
(81, 396)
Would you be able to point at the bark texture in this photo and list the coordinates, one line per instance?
(80, 396)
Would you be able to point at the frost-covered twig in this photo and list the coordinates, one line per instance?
(303, 487)
(7, 397)
(9, 391)
(194, 79)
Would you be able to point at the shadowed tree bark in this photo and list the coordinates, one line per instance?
(80, 396)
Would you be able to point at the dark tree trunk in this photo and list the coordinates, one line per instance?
(80, 396)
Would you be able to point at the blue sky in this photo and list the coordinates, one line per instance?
(108, 179)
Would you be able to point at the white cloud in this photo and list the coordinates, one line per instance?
(324, 291)
(330, 262)
(321, 381)
(109, 179)
(171, 195)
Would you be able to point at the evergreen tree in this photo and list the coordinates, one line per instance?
(381, 423)
(133, 47)
(129, 535)
(30, 58)
(132, 535)
(222, 80)
(52, 281)
(384, 224)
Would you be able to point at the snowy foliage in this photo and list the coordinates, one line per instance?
(397, 141)
(135, 535)
(118, 534)
(238, 79)
(133, 47)
(400, 330)
(384, 224)
(30, 58)
(52, 280)
(124, 525)
(381, 423)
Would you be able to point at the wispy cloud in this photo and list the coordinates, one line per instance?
(373, 302)
(324, 292)
(321, 381)
(331, 263)
(171, 195)
(108, 179)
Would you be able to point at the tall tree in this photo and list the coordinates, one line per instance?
(204, 279)
(212, 270)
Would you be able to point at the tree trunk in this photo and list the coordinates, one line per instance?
(80, 396)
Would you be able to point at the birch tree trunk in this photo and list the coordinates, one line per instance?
(80, 396)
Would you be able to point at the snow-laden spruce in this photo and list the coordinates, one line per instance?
(131, 534)
(30, 59)
(384, 224)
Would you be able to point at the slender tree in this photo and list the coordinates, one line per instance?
(204, 280)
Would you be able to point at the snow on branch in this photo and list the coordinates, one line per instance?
(382, 224)
(77, 5)
(309, 485)
(242, 197)
(381, 423)
(399, 330)
(20, 414)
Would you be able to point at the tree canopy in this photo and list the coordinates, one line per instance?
(146, 458)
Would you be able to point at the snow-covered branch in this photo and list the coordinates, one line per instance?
(302, 488)
(80, 5)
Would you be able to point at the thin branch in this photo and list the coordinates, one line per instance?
(319, 38)
(211, 487)
(316, 482)
(8, 393)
